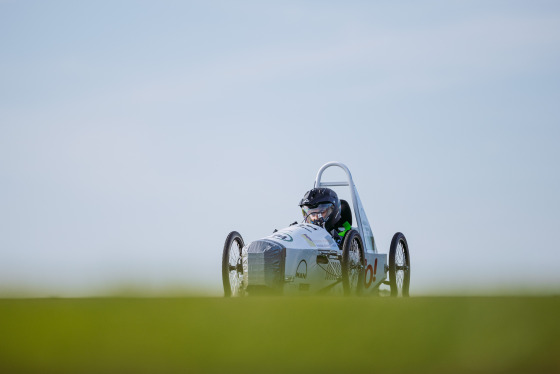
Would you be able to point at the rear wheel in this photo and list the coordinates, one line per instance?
(399, 266)
(232, 266)
(352, 263)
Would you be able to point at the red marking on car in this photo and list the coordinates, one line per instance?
(367, 282)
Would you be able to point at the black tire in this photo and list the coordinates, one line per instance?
(399, 266)
(352, 263)
(232, 267)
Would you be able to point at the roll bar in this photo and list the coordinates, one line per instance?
(363, 225)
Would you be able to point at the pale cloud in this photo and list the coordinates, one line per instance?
(432, 58)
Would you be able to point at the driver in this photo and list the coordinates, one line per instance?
(321, 207)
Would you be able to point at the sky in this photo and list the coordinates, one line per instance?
(135, 135)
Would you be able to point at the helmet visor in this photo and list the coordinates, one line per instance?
(317, 215)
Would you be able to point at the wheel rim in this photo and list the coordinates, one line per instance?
(354, 264)
(234, 262)
(400, 267)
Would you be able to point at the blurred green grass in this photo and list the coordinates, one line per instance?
(281, 335)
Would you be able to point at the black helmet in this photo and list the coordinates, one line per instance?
(321, 206)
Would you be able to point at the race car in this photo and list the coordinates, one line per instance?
(310, 258)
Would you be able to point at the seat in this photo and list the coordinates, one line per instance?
(345, 213)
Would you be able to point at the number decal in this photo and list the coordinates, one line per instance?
(372, 272)
(367, 282)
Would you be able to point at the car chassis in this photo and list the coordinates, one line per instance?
(305, 259)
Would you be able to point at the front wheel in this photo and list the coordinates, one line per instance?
(352, 263)
(399, 266)
(232, 267)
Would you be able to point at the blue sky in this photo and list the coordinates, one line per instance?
(135, 135)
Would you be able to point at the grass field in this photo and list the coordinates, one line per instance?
(281, 335)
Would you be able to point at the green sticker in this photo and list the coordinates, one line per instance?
(346, 228)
